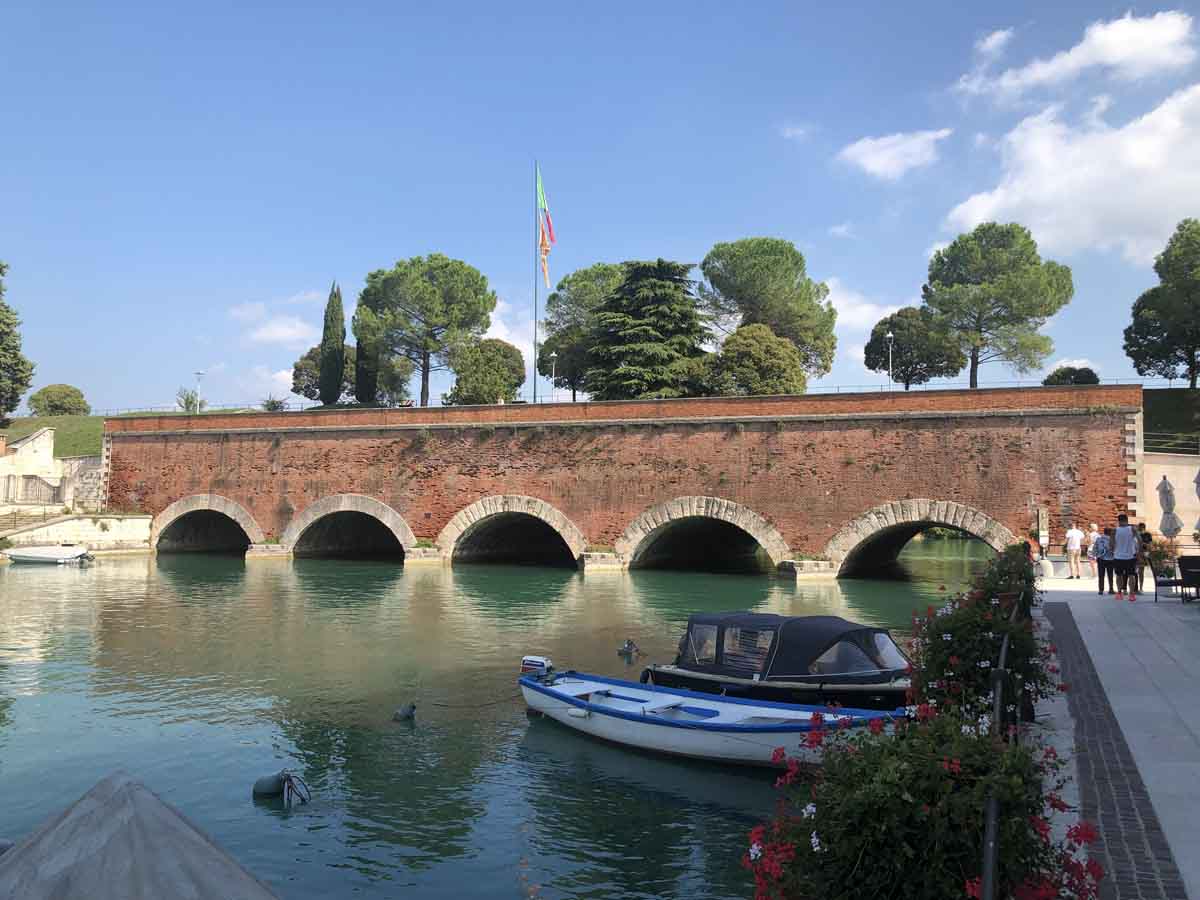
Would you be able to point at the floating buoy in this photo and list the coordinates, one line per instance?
(405, 713)
(269, 785)
(282, 784)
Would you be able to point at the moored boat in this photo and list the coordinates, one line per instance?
(680, 722)
(56, 555)
(788, 659)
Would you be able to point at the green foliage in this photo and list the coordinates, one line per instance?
(763, 281)
(645, 332)
(59, 400)
(570, 321)
(392, 378)
(73, 435)
(1071, 375)
(16, 372)
(423, 307)
(273, 404)
(1162, 557)
(1174, 410)
(189, 401)
(993, 292)
(332, 365)
(753, 361)
(1164, 337)
(306, 374)
(487, 371)
(922, 347)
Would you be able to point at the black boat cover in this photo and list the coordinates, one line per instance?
(818, 649)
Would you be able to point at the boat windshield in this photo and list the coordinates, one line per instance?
(890, 656)
(843, 658)
(700, 645)
(744, 650)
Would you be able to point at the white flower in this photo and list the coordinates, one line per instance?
(809, 811)
(947, 637)
(755, 850)
(995, 603)
(984, 664)
(985, 724)
(816, 843)
(967, 729)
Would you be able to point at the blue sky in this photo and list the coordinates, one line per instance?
(179, 186)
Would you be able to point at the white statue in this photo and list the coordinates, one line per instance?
(1171, 524)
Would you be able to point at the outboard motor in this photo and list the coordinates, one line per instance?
(538, 666)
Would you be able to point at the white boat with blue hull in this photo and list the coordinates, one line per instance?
(64, 554)
(680, 722)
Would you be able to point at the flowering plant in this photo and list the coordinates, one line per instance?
(1011, 572)
(909, 811)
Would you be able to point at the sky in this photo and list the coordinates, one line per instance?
(180, 184)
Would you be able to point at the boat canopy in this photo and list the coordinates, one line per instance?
(769, 647)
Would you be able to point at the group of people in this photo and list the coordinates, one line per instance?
(1118, 553)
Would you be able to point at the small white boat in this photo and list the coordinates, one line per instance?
(680, 722)
(58, 555)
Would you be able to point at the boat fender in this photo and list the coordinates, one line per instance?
(269, 785)
(645, 679)
(5, 846)
(405, 713)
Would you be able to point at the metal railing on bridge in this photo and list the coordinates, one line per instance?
(1171, 442)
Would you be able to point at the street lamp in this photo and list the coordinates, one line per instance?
(553, 371)
(199, 375)
(890, 337)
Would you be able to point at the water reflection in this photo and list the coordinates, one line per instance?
(198, 674)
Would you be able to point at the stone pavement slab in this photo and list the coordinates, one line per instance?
(1134, 675)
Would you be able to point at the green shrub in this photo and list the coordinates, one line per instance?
(1011, 572)
(1161, 558)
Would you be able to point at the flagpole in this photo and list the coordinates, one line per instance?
(535, 279)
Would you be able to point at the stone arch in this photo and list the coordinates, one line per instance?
(894, 524)
(649, 524)
(468, 519)
(360, 503)
(212, 503)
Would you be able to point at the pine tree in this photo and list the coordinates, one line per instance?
(16, 372)
(646, 332)
(333, 349)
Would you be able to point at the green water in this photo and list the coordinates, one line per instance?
(198, 674)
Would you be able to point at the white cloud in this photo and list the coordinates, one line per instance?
(286, 330)
(844, 230)
(304, 297)
(794, 132)
(248, 312)
(856, 312)
(1128, 48)
(981, 140)
(260, 381)
(1073, 363)
(889, 157)
(1095, 114)
(992, 45)
(216, 368)
(855, 352)
(1095, 186)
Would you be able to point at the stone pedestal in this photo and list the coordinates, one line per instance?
(418, 556)
(807, 568)
(590, 562)
(268, 551)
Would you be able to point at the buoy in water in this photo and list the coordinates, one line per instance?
(282, 784)
(269, 785)
(405, 713)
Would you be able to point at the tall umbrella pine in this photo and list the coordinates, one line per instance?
(333, 349)
(645, 333)
(16, 372)
(992, 292)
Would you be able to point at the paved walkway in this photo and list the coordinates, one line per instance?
(1135, 698)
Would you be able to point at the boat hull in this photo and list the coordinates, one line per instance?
(621, 712)
(48, 555)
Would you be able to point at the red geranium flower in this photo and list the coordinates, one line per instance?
(876, 726)
(1082, 833)
(974, 887)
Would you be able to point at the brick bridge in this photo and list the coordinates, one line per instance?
(682, 483)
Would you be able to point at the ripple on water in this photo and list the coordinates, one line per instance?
(198, 674)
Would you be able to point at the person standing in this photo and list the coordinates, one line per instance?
(1093, 535)
(1074, 542)
(1125, 554)
(1103, 548)
(1146, 541)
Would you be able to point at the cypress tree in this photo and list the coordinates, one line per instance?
(16, 372)
(333, 349)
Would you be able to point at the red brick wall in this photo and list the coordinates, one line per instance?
(808, 477)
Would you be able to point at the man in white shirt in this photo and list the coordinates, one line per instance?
(1074, 546)
(1125, 552)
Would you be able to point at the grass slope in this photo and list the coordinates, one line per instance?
(73, 435)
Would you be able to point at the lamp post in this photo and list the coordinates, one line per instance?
(199, 375)
(890, 337)
(553, 372)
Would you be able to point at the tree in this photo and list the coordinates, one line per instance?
(392, 378)
(190, 401)
(645, 333)
(1071, 375)
(486, 371)
(1164, 337)
(422, 307)
(306, 373)
(754, 361)
(763, 281)
(16, 372)
(332, 367)
(570, 320)
(922, 347)
(274, 404)
(59, 400)
(993, 291)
